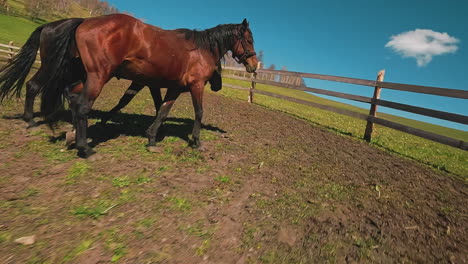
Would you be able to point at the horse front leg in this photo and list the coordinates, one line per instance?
(81, 104)
(197, 99)
(80, 108)
(171, 96)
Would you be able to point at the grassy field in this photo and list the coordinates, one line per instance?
(428, 152)
(18, 29)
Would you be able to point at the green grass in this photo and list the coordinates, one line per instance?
(53, 152)
(30, 192)
(192, 156)
(201, 250)
(197, 229)
(82, 247)
(78, 169)
(143, 179)
(180, 204)
(5, 237)
(115, 243)
(121, 182)
(146, 222)
(437, 155)
(140, 178)
(95, 210)
(223, 179)
(16, 29)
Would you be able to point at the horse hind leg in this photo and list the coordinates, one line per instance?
(32, 89)
(157, 98)
(171, 96)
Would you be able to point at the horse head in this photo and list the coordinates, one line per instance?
(243, 51)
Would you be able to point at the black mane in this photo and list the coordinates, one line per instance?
(217, 39)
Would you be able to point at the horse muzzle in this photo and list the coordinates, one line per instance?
(250, 69)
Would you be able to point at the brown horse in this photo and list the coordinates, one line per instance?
(47, 36)
(118, 45)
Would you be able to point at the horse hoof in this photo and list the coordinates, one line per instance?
(86, 153)
(70, 137)
(195, 144)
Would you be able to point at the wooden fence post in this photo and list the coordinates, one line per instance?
(254, 77)
(10, 51)
(373, 108)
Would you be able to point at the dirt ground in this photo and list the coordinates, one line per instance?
(268, 188)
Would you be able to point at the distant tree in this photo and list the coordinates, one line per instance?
(104, 8)
(294, 80)
(229, 61)
(62, 6)
(260, 57)
(283, 78)
(38, 8)
(94, 8)
(271, 76)
(114, 10)
(91, 5)
(97, 7)
(4, 3)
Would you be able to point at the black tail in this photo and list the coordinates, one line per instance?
(13, 75)
(60, 66)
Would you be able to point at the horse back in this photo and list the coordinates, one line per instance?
(50, 34)
(103, 42)
(122, 46)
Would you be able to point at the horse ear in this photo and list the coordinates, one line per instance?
(245, 23)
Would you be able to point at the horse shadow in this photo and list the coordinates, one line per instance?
(133, 125)
(127, 124)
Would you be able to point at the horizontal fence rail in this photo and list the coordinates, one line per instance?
(9, 46)
(11, 51)
(373, 101)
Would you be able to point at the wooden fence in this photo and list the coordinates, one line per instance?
(7, 51)
(374, 101)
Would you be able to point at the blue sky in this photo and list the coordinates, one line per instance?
(344, 38)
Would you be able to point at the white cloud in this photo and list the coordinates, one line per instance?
(423, 44)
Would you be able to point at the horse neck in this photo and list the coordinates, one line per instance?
(223, 42)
